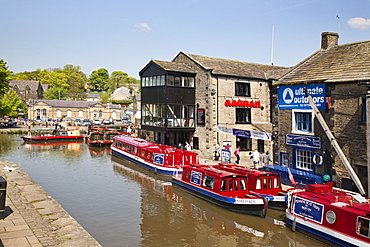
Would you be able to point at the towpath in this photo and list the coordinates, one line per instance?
(33, 218)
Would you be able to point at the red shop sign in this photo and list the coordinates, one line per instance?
(243, 103)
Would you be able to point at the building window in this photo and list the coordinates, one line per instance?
(243, 115)
(100, 113)
(242, 89)
(302, 122)
(303, 159)
(59, 113)
(80, 113)
(244, 143)
(44, 112)
(69, 113)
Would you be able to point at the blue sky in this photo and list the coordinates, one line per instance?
(122, 35)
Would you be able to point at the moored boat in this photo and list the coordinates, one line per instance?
(264, 183)
(330, 214)
(55, 136)
(96, 139)
(155, 157)
(109, 135)
(221, 187)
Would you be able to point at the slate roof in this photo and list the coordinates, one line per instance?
(22, 84)
(221, 66)
(174, 66)
(72, 104)
(342, 63)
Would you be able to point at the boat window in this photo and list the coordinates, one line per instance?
(258, 184)
(242, 184)
(269, 185)
(148, 156)
(223, 185)
(363, 227)
(276, 184)
(208, 181)
(142, 153)
(264, 184)
(231, 185)
(236, 187)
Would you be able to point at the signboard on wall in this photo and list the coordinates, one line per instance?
(293, 96)
(303, 141)
(201, 116)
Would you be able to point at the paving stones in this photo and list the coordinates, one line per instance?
(33, 218)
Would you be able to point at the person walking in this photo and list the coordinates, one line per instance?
(237, 154)
(217, 151)
(256, 158)
(266, 159)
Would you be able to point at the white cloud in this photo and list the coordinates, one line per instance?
(142, 27)
(359, 23)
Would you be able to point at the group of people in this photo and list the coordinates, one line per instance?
(256, 156)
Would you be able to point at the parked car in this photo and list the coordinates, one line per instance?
(106, 121)
(118, 121)
(77, 121)
(86, 122)
(97, 122)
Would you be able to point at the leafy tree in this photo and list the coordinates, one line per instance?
(37, 75)
(98, 79)
(116, 80)
(11, 104)
(104, 98)
(77, 82)
(5, 76)
(58, 86)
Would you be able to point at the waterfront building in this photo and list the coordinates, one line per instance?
(206, 100)
(56, 109)
(332, 76)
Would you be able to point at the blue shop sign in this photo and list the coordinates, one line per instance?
(293, 97)
(303, 141)
(243, 133)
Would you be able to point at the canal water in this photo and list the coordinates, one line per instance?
(122, 205)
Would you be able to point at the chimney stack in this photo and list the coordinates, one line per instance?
(329, 40)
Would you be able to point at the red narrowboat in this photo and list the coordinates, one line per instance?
(332, 215)
(223, 187)
(155, 157)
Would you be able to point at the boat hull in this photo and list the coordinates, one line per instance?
(43, 139)
(147, 165)
(256, 207)
(320, 232)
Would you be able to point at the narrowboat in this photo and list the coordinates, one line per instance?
(157, 158)
(96, 139)
(221, 187)
(109, 135)
(264, 183)
(55, 136)
(332, 215)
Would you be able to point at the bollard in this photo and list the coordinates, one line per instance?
(2, 197)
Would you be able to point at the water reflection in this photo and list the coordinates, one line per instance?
(73, 147)
(96, 152)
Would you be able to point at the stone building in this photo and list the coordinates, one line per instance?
(56, 109)
(206, 100)
(332, 76)
(27, 90)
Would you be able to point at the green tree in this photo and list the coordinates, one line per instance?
(104, 98)
(37, 75)
(5, 76)
(98, 79)
(11, 104)
(77, 82)
(116, 80)
(58, 86)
